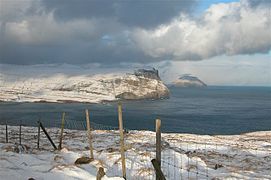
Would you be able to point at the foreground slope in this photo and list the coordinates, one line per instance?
(188, 156)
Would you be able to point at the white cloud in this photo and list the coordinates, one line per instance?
(31, 33)
(28, 22)
(231, 29)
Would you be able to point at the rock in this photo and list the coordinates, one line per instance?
(83, 160)
(100, 173)
(188, 80)
(21, 148)
(151, 74)
(144, 84)
(218, 166)
(127, 96)
(188, 152)
(110, 150)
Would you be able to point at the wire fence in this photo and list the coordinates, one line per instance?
(183, 156)
(139, 151)
(199, 159)
(106, 144)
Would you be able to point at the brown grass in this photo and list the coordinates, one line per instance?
(144, 171)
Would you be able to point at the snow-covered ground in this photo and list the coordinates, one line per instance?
(246, 156)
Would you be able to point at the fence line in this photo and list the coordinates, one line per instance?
(180, 158)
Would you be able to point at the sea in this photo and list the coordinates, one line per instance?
(212, 110)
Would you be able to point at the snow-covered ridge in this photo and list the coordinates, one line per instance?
(188, 80)
(80, 88)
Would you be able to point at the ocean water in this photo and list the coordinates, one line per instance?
(211, 110)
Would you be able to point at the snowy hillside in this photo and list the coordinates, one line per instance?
(188, 80)
(39, 86)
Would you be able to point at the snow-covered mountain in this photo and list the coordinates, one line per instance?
(188, 80)
(143, 84)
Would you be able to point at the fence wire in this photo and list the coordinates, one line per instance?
(211, 160)
(181, 159)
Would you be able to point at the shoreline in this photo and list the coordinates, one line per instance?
(85, 102)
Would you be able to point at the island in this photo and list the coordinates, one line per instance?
(142, 84)
(187, 80)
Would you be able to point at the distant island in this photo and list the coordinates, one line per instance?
(187, 80)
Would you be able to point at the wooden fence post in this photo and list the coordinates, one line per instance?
(121, 140)
(100, 173)
(20, 133)
(158, 143)
(38, 143)
(6, 132)
(89, 135)
(61, 132)
(158, 172)
(47, 135)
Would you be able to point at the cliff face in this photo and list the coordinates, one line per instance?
(60, 88)
(133, 87)
(188, 80)
(151, 74)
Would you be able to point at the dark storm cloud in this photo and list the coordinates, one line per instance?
(117, 32)
(75, 53)
(79, 31)
(255, 3)
(130, 12)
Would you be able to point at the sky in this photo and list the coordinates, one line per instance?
(223, 42)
